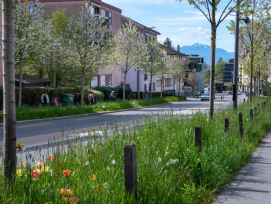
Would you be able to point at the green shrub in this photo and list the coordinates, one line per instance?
(107, 91)
(98, 96)
(128, 92)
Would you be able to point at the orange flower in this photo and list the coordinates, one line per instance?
(67, 172)
(93, 177)
(62, 191)
(35, 174)
(97, 187)
(60, 161)
(73, 200)
(207, 122)
(50, 158)
(22, 164)
(40, 165)
(65, 191)
(58, 169)
(64, 199)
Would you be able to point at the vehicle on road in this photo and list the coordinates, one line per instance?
(230, 92)
(205, 96)
(239, 92)
(170, 92)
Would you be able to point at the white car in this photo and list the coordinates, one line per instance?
(205, 96)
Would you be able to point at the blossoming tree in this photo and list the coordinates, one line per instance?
(128, 52)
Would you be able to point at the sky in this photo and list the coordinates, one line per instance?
(179, 21)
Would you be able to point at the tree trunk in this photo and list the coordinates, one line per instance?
(180, 86)
(151, 87)
(259, 91)
(124, 86)
(162, 83)
(82, 88)
(20, 81)
(212, 72)
(255, 86)
(9, 123)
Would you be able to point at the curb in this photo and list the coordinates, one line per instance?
(83, 115)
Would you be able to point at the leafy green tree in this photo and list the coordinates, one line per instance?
(230, 85)
(207, 76)
(219, 67)
(210, 8)
(168, 43)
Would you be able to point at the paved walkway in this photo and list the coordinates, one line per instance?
(253, 183)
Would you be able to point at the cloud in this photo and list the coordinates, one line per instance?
(196, 32)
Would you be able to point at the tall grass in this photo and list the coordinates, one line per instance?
(168, 167)
(30, 113)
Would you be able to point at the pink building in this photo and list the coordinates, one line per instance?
(1, 63)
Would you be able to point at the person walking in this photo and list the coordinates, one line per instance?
(90, 98)
(78, 98)
(112, 97)
(45, 98)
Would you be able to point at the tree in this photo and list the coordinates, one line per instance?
(151, 64)
(28, 17)
(209, 9)
(128, 51)
(219, 67)
(86, 44)
(230, 85)
(168, 43)
(194, 77)
(176, 68)
(255, 34)
(162, 69)
(207, 76)
(9, 123)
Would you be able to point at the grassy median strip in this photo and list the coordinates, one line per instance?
(30, 113)
(170, 169)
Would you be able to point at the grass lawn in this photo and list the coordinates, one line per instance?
(30, 113)
(169, 167)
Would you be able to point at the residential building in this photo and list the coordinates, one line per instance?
(1, 63)
(201, 67)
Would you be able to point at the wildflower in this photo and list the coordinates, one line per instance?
(19, 172)
(22, 164)
(64, 199)
(97, 187)
(73, 200)
(67, 172)
(50, 158)
(207, 122)
(95, 145)
(48, 203)
(58, 169)
(19, 146)
(34, 174)
(93, 177)
(159, 159)
(60, 161)
(187, 149)
(68, 191)
(47, 168)
(37, 170)
(40, 165)
(105, 185)
(62, 191)
(113, 162)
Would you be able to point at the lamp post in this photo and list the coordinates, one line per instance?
(236, 55)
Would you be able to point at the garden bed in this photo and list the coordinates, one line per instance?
(30, 113)
(170, 169)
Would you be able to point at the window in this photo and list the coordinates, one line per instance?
(110, 80)
(158, 83)
(146, 38)
(94, 82)
(102, 80)
(145, 87)
(103, 13)
(110, 17)
(94, 10)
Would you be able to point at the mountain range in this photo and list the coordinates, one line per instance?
(205, 51)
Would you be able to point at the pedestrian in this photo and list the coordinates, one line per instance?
(78, 98)
(90, 98)
(112, 97)
(56, 102)
(45, 98)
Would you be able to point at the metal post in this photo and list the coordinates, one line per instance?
(236, 55)
(241, 124)
(138, 89)
(227, 124)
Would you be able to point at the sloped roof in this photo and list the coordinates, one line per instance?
(125, 19)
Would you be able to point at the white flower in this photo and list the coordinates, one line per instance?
(159, 159)
(87, 163)
(113, 161)
(105, 185)
(166, 153)
(172, 161)
(103, 107)
(108, 168)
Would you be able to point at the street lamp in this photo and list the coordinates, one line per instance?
(236, 54)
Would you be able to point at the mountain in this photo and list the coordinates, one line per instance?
(205, 51)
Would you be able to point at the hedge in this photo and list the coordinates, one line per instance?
(107, 91)
(154, 94)
(32, 96)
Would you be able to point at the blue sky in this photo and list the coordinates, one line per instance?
(181, 22)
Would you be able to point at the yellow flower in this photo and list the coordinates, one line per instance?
(95, 145)
(47, 168)
(40, 165)
(37, 171)
(19, 172)
(48, 203)
(187, 149)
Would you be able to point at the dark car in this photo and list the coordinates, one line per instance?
(170, 92)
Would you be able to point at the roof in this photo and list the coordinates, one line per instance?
(125, 19)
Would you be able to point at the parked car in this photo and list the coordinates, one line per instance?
(230, 92)
(239, 92)
(205, 96)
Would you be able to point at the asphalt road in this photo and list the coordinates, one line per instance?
(39, 133)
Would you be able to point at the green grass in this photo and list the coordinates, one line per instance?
(30, 113)
(168, 169)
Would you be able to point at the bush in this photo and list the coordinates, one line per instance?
(154, 94)
(98, 96)
(128, 92)
(107, 91)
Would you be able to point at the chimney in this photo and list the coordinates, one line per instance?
(178, 48)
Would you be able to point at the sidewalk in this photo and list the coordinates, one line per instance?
(253, 182)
